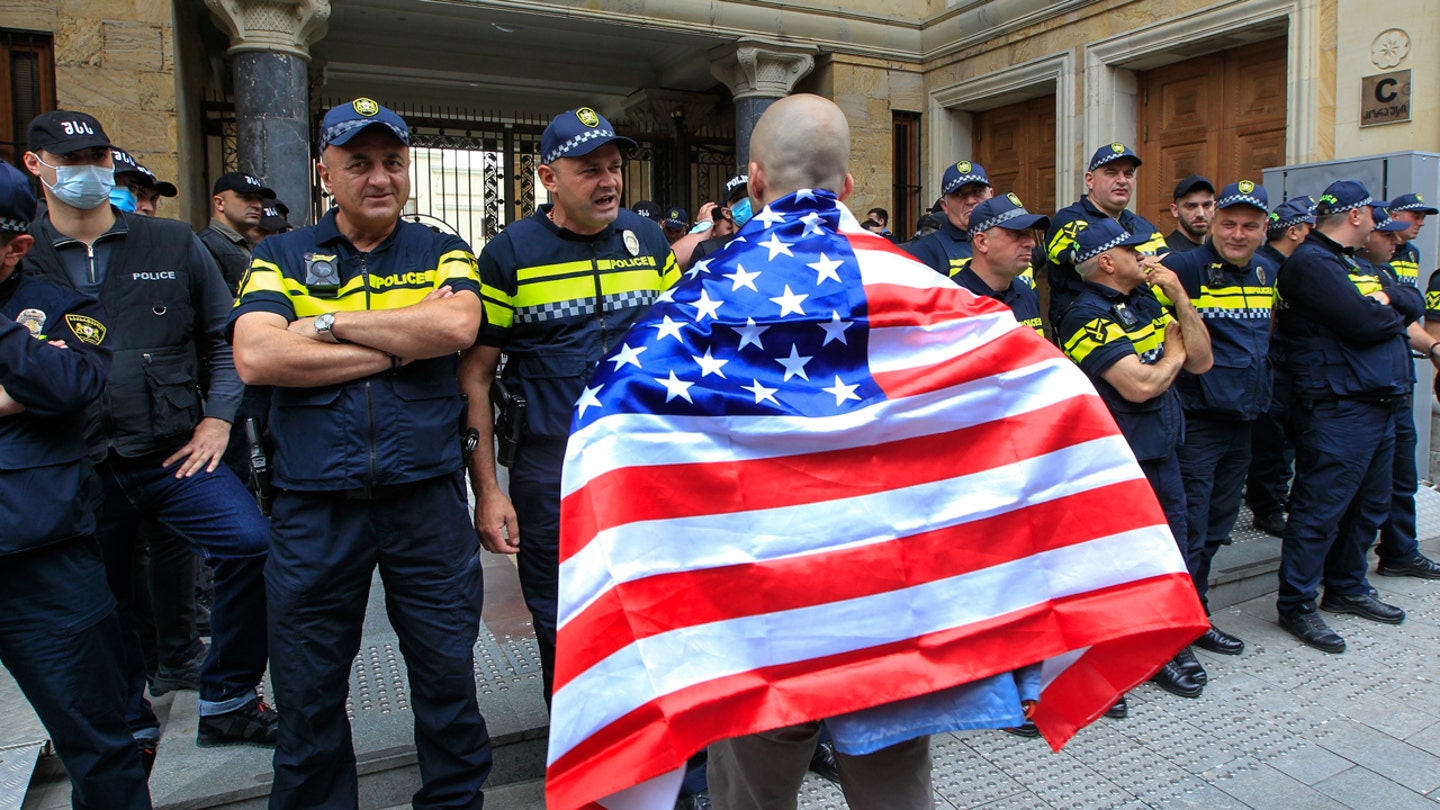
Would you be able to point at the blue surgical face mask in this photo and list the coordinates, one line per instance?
(83, 187)
(741, 212)
(123, 198)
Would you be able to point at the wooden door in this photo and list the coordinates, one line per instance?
(1016, 145)
(1221, 115)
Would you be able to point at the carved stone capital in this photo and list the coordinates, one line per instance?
(278, 26)
(757, 69)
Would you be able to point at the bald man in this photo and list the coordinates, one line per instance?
(803, 142)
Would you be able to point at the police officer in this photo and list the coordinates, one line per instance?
(274, 218)
(727, 220)
(1192, 207)
(157, 444)
(1002, 238)
(1133, 349)
(136, 187)
(1109, 184)
(1410, 209)
(61, 637)
(236, 205)
(539, 281)
(1233, 293)
(1272, 455)
(1346, 348)
(357, 322)
(1398, 548)
(963, 186)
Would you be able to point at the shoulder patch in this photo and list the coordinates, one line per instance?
(86, 328)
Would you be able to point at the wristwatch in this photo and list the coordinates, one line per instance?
(324, 322)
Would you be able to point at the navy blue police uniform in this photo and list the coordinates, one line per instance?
(556, 302)
(369, 473)
(1221, 404)
(167, 305)
(1006, 212)
(60, 639)
(1349, 360)
(1065, 283)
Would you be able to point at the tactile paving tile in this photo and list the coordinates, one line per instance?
(17, 765)
(967, 779)
(378, 679)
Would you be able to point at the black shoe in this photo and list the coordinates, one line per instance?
(185, 678)
(1028, 730)
(254, 723)
(1218, 641)
(1174, 680)
(146, 750)
(695, 801)
(1191, 666)
(1366, 606)
(822, 762)
(1271, 523)
(1119, 711)
(1420, 567)
(1311, 629)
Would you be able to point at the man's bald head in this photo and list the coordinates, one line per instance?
(802, 141)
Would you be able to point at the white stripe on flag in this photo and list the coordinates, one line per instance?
(685, 657)
(631, 551)
(901, 348)
(640, 440)
(884, 267)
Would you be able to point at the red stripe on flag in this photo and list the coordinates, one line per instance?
(646, 607)
(607, 500)
(1145, 616)
(889, 305)
(1017, 348)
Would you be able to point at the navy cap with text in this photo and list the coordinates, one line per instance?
(1344, 195)
(737, 185)
(61, 132)
(345, 121)
(241, 183)
(648, 209)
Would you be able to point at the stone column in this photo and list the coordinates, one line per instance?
(270, 53)
(758, 73)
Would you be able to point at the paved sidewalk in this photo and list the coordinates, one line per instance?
(1282, 726)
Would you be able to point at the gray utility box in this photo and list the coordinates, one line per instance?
(1387, 177)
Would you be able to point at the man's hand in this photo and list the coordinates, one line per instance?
(8, 405)
(496, 524)
(205, 448)
(1158, 275)
(305, 327)
(1174, 341)
(1381, 296)
(706, 214)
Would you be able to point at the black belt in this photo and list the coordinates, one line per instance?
(373, 492)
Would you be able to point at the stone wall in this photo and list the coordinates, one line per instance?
(114, 60)
(1412, 28)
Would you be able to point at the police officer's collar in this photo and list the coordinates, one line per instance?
(542, 216)
(7, 287)
(1109, 293)
(948, 228)
(328, 231)
(1086, 203)
(58, 239)
(971, 280)
(1214, 257)
(226, 231)
(1329, 244)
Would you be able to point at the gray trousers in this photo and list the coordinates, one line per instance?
(764, 771)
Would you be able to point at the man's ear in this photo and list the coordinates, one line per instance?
(19, 246)
(756, 186)
(847, 187)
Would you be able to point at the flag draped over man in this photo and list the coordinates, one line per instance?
(819, 477)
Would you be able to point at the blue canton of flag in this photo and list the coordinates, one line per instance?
(773, 331)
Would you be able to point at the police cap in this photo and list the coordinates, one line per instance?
(17, 201)
(1110, 153)
(576, 133)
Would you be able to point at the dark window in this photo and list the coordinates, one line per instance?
(906, 192)
(27, 86)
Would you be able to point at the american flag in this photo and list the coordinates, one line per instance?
(819, 477)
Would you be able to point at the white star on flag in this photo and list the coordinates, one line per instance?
(762, 393)
(705, 307)
(776, 247)
(835, 329)
(770, 217)
(675, 387)
(825, 268)
(805, 194)
(750, 333)
(669, 328)
(668, 296)
(588, 398)
(794, 364)
(790, 302)
(628, 355)
(710, 365)
(742, 278)
(842, 391)
(702, 266)
(813, 224)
